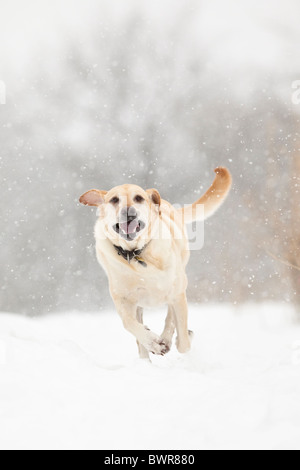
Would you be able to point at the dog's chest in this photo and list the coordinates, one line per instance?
(147, 286)
(156, 281)
(150, 284)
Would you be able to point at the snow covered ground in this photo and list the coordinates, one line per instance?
(73, 381)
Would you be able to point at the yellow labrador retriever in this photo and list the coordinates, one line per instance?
(141, 243)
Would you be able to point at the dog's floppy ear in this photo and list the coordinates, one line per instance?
(94, 197)
(154, 196)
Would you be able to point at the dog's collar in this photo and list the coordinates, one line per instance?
(133, 254)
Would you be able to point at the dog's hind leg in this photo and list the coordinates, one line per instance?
(168, 333)
(144, 354)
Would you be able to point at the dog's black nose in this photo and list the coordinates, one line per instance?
(128, 213)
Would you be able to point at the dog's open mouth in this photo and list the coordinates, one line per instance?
(130, 228)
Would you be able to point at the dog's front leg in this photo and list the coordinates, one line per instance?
(143, 335)
(180, 309)
(167, 334)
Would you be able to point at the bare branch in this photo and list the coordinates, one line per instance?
(283, 261)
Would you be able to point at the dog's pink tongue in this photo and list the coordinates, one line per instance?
(131, 227)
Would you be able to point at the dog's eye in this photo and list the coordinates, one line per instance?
(139, 198)
(114, 200)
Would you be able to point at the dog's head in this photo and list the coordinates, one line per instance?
(128, 212)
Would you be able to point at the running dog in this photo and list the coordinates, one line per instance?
(142, 245)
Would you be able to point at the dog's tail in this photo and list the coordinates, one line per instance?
(211, 200)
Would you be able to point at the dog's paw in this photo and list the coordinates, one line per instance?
(159, 347)
(167, 342)
(156, 345)
(184, 345)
